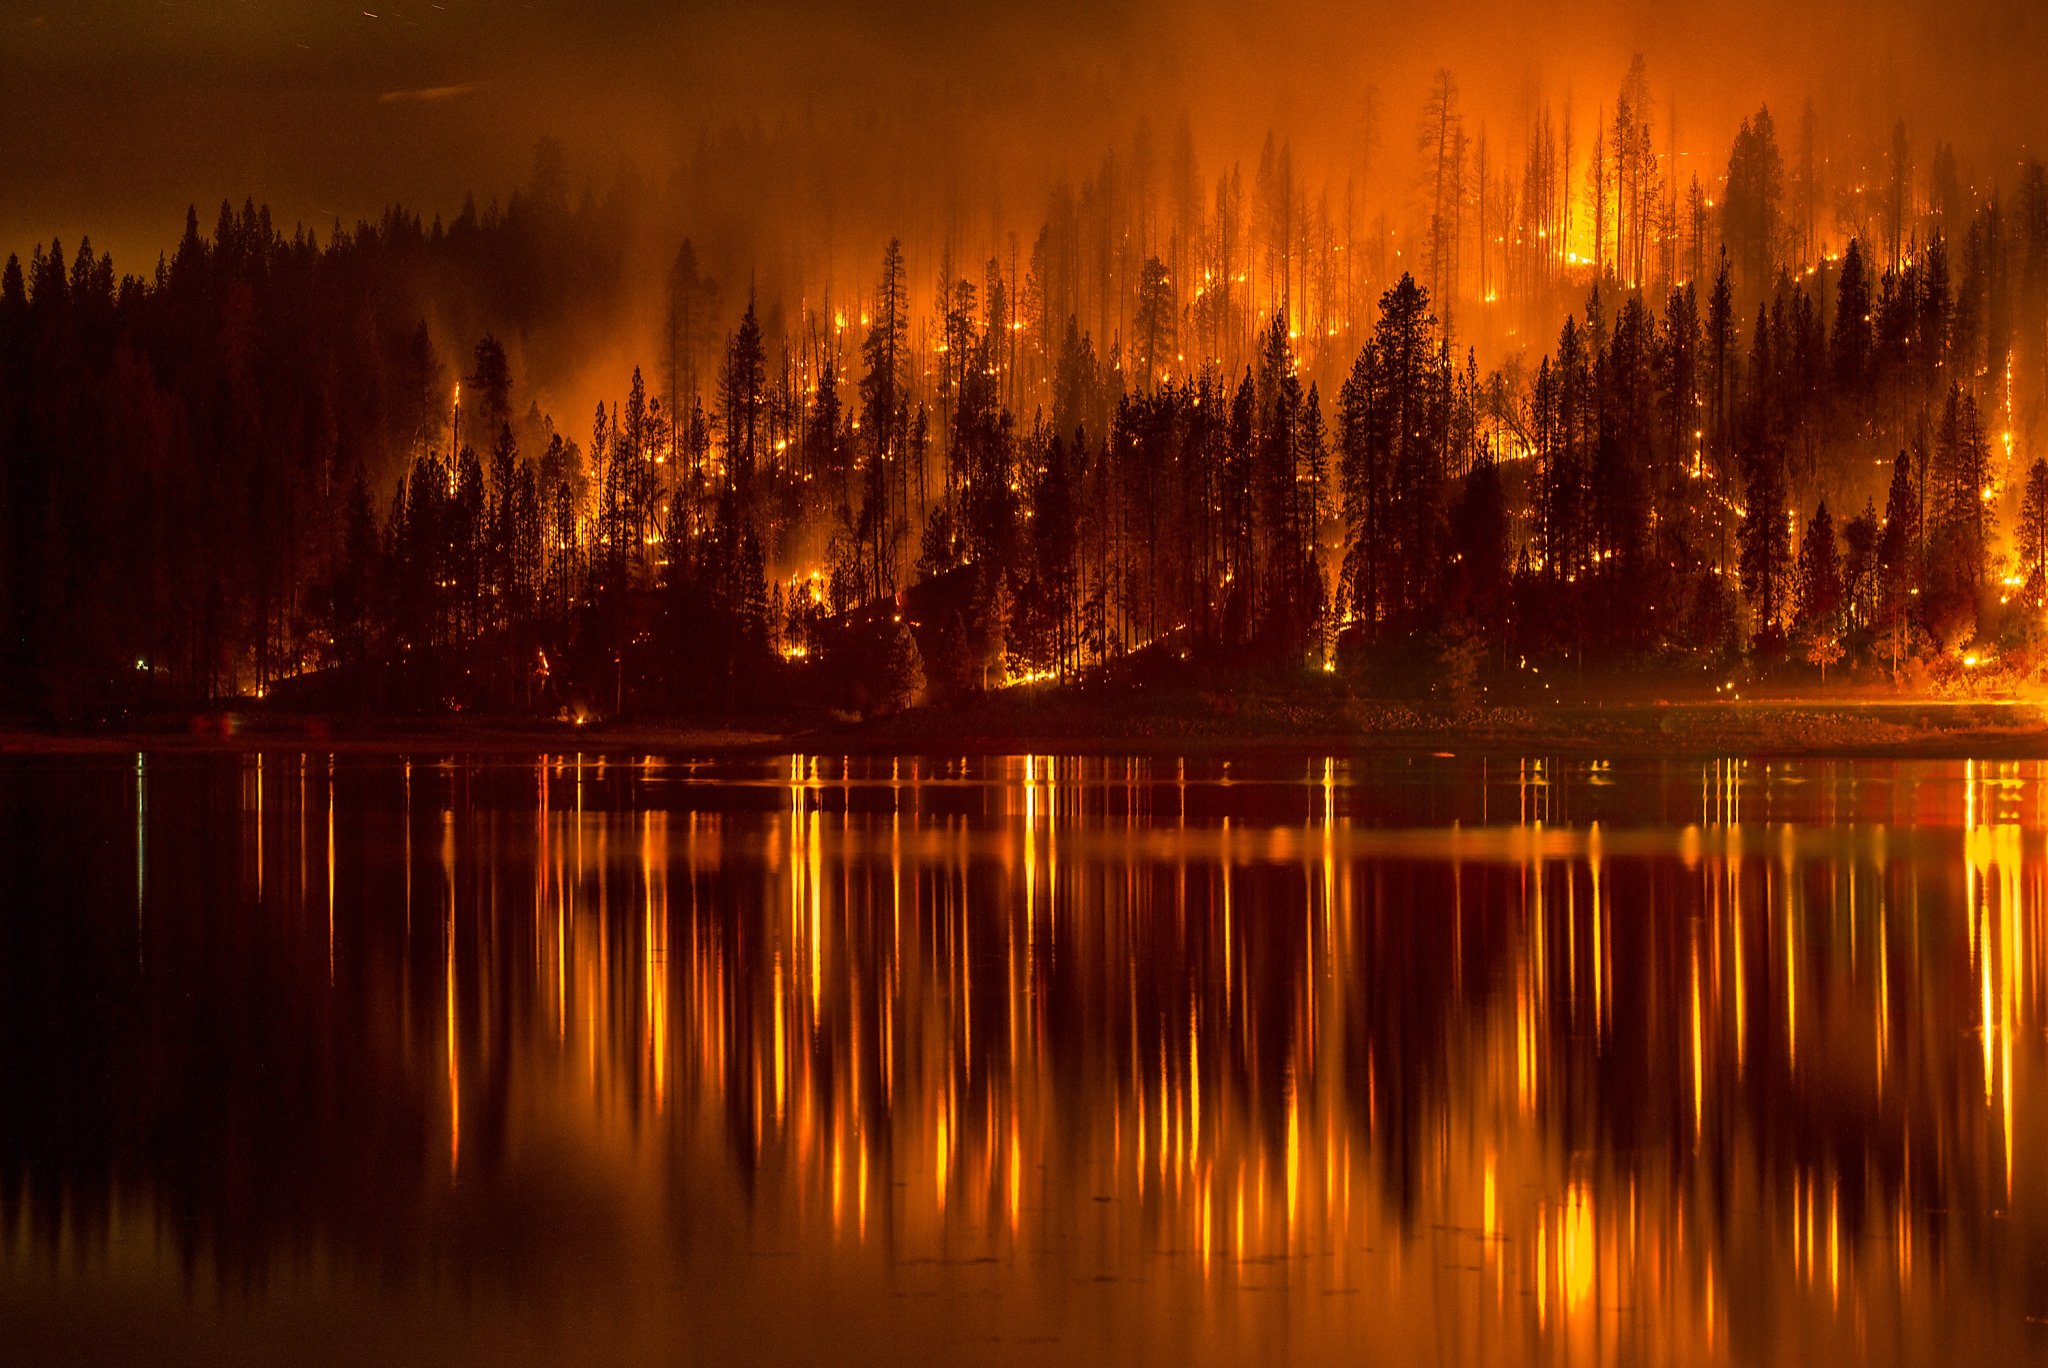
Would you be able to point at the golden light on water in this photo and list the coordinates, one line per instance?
(1316, 1061)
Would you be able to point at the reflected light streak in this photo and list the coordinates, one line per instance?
(1259, 1044)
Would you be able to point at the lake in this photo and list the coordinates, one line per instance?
(362, 1058)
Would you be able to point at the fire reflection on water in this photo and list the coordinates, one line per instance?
(1694, 1063)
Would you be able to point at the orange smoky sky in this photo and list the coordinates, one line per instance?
(118, 113)
(947, 125)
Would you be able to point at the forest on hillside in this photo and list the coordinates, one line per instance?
(1227, 429)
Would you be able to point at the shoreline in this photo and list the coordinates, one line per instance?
(1193, 725)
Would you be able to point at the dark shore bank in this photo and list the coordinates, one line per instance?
(1147, 721)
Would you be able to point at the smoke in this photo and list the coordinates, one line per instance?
(123, 111)
(790, 139)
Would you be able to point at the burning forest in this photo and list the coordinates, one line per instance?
(1454, 405)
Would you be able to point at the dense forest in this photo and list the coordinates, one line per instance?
(1229, 429)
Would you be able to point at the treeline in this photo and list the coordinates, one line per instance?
(253, 472)
(178, 452)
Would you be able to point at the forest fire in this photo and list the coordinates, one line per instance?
(1048, 683)
(1605, 374)
(1665, 476)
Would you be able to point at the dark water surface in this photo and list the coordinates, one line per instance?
(349, 1060)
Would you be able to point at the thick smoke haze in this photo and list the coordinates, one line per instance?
(121, 112)
(946, 125)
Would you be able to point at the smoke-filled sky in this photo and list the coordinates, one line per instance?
(118, 113)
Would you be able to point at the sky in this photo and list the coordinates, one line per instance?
(116, 114)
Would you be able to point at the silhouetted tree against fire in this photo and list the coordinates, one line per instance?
(2032, 535)
(1394, 428)
(1751, 204)
(1765, 537)
(885, 413)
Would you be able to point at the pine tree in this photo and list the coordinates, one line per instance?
(355, 606)
(1750, 203)
(741, 397)
(1960, 493)
(1392, 468)
(487, 391)
(2032, 534)
(1820, 574)
(1154, 324)
(501, 540)
(1721, 360)
(1765, 539)
(1852, 331)
(1898, 562)
(1862, 536)
(884, 409)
